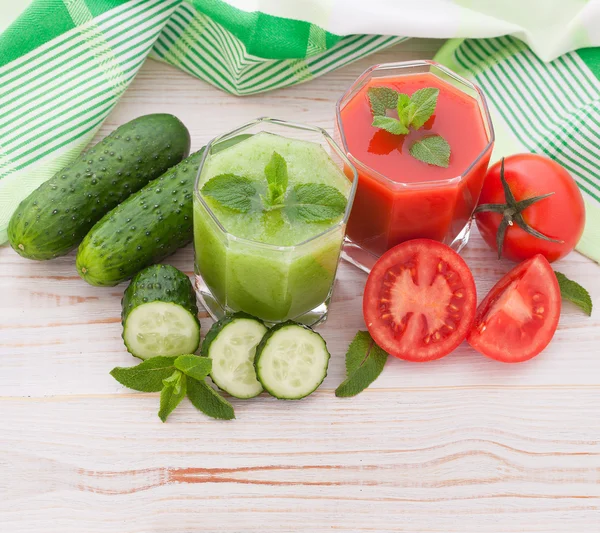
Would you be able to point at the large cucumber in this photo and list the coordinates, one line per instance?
(160, 315)
(147, 227)
(55, 217)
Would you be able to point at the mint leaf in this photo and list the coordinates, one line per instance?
(433, 150)
(194, 366)
(382, 99)
(402, 108)
(209, 401)
(277, 178)
(314, 202)
(148, 376)
(364, 362)
(232, 191)
(390, 124)
(403, 101)
(174, 388)
(573, 292)
(422, 106)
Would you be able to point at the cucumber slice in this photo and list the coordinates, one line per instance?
(160, 315)
(161, 328)
(291, 361)
(231, 344)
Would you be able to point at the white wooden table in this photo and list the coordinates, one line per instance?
(463, 444)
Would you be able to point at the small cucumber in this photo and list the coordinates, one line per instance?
(231, 344)
(147, 227)
(55, 217)
(160, 315)
(291, 361)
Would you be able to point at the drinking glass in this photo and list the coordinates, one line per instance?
(389, 210)
(273, 283)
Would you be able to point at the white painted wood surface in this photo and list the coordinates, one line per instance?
(458, 445)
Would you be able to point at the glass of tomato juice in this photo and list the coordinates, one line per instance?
(399, 197)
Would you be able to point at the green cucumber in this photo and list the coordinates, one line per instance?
(291, 361)
(160, 315)
(231, 344)
(147, 227)
(55, 217)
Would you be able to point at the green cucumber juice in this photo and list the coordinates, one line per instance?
(265, 264)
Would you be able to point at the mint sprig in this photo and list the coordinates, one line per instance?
(382, 99)
(413, 112)
(209, 401)
(314, 202)
(390, 124)
(194, 366)
(309, 202)
(433, 150)
(573, 292)
(173, 391)
(277, 178)
(364, 362)
(232, 191)
(174, 378)
(421, 106)
(147, 376)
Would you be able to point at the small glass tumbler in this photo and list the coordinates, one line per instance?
(273, 283)
(390, 209)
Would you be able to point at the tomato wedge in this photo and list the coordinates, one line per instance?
(519, 316)
(419, 300)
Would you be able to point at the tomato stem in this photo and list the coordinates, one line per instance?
(511, 212)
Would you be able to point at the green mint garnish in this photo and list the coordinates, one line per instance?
(234, 192)
(364, 362)
(382, 99)
(390, 124)
(422, 106)
(413, 112)
(209, 401)
(174, 377)
(402, 108)
(147, 376)
(314, 202)
(433, 150)
(194, 366)
(572, 291)
(277, 178)
(174, 388)
(309, 202)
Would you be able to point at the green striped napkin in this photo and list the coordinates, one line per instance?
(547, 108)
(65, 63)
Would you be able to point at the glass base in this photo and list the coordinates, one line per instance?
(365, 260)
(358, 256)
(461, 240)
(312, 318)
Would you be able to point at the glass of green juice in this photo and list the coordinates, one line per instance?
(262, 260)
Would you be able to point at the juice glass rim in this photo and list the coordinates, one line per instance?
(294, 125)
(482, 102)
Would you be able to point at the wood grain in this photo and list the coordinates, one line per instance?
(458, 445)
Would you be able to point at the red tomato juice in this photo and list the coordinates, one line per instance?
(400, 198)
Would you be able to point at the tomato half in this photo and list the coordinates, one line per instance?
(560, 216)
(519, 316)
(419, 300)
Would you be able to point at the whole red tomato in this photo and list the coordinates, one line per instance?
(552, 225)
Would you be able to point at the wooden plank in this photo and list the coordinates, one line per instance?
(464, 444)
(447, 460)
(54, 324)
